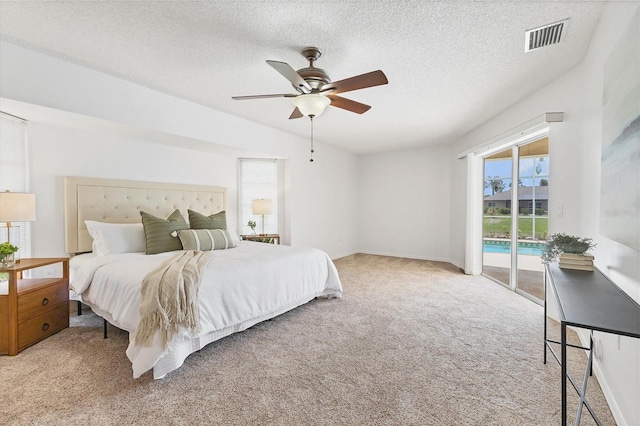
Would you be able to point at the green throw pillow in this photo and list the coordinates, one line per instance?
(200, 221)
(157, 232)
(205, 239)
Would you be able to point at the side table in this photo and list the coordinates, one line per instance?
(263, 238)
(33, 308)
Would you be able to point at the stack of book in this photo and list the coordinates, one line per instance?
(583, 262)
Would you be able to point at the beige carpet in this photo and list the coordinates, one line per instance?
(410, 343)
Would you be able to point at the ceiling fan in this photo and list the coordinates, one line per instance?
(315, 89)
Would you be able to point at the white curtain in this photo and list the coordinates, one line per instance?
(258, 180)
(14, 176)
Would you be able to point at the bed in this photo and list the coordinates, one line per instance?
(240, 286)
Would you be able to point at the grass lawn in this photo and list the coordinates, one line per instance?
(500, 226)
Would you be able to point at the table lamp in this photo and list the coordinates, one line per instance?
(16, 207)
(262, 207)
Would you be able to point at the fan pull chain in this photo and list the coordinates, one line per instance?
(312, 151)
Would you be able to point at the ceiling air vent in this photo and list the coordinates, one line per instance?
(544, 36)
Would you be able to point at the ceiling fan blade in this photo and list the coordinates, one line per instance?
(362, 81)
(348, 104)
(281, 95)
(291, 75)
(295, 114)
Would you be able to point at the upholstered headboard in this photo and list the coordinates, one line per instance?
(120, 201)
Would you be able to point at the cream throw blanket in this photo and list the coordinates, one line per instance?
(170, 297)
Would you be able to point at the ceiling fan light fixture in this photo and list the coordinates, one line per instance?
(311, 104)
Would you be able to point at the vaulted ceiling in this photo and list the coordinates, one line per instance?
(451, 65)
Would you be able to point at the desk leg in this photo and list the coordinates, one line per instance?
(545, 320)
(584, 387)
(563, 367)
(583, 393)
(591, 352)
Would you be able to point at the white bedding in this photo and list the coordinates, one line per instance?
(75, 263)
(240, 287)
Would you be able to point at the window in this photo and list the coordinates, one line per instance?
(258, 179)
(13, 175)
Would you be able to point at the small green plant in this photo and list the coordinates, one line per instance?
(7, 248)
(563, 243)
(252, 224)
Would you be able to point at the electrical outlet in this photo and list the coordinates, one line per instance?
(49, 273)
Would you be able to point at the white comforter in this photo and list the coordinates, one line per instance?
(240, 287)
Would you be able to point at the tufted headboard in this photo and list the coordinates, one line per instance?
(120, 201)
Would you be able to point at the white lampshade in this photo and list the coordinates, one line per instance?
(262, 206)
(17, 207)
(311, 104)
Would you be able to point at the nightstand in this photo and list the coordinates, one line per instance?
(33, 308)
(264, 238)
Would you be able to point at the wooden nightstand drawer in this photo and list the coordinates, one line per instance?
(37, 328)
(42, 300)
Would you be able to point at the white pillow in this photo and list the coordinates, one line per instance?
(234, 236)
(231, 226)
(111, 238)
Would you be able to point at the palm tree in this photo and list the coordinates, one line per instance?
(495, 183)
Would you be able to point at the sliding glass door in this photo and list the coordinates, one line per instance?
(497, 220)
(516, 194)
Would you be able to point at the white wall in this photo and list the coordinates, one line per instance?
(620, 356)
(322, 195)
(57, 152)
(404, 203)
(575, 147)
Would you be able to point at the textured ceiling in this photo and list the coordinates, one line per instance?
(451, 65)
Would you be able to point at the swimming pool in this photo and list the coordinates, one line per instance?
(531, 249)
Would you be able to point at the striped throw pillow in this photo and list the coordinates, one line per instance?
(205, 239)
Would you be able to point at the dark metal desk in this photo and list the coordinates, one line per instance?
(591, 301)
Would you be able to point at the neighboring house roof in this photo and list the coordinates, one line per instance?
(524, 193)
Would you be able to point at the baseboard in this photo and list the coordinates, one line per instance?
(602, 381)
(339, 256)
(409, 256)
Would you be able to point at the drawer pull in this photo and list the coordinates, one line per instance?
(45, 326)
(45, 301)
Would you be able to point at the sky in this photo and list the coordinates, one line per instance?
(532, 169)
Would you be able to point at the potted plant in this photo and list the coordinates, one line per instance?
(6, 254)
(252, 224)
(563, 243)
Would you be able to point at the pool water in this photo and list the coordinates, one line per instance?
(531, 249)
